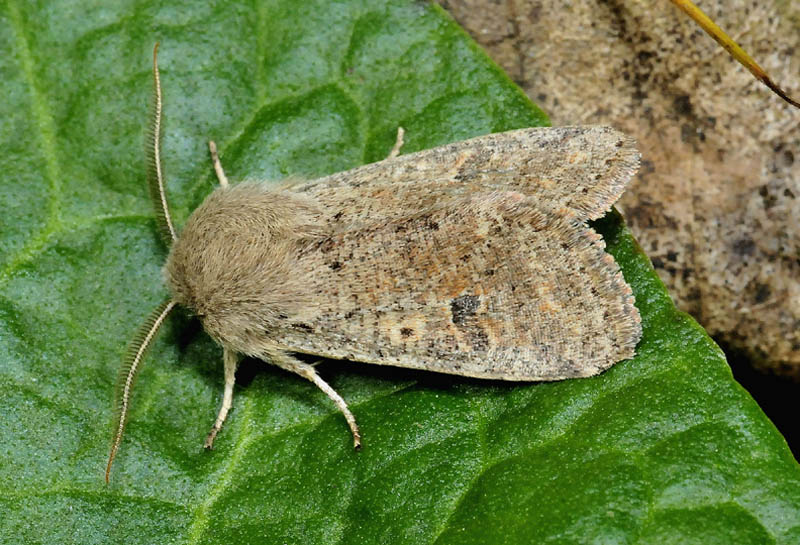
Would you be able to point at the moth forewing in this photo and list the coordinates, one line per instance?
(577, 171)
(486, 286)
(473, 259)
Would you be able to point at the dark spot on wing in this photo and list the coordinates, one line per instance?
(463, 307)
(744, 246)
(303, 327)
(326, 245)
(478, 339)
(406, 332)
(763, 293)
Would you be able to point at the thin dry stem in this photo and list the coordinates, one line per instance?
(713, 30)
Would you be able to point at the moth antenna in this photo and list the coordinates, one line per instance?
(130, 367)
(155, 175)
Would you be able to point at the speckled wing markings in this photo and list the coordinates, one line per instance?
(486, 286)
(578, 171)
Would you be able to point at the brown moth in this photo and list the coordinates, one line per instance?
(472, 259)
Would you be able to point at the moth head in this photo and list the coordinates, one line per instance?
(198, 262)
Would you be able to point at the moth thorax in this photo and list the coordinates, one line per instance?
(237, 252)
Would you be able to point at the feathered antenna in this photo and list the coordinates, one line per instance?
(130, 367)
(155, 176)
(147, 332)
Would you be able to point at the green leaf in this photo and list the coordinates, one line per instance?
(664, 448)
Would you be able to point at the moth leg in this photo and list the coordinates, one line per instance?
(231, 360)
(284, 361)
(397, 144)
(223, 180)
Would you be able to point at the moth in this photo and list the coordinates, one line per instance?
(472, 259)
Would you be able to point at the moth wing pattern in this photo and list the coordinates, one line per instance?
(486, 285)
(579, 171)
